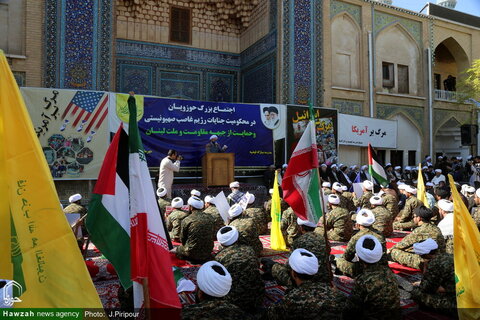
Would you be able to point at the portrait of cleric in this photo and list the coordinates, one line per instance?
(270, 117)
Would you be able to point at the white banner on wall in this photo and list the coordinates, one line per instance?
(360, 131)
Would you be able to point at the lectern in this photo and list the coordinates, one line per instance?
(218, 169)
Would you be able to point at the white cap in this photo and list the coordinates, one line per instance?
(445, 205)
(209, 199)
(333, 199)
(367, 184)
(75, 198)
(365, 217)
(161, 192)
(369, 255)
(213, 137)
(195, 202)
(213, 283)
(411, 189)
(307, 223)
(425, 247)
(438, 170)
(177, 202)
(303, 261)
(227, 235)
(235, 184)
(235, 210)
(337, 186)
(398, 168)
(195, 192)
(326, 184)
(376, 200)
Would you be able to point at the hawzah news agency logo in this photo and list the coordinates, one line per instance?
(8, 292)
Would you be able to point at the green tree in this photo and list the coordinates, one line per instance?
(469, 83)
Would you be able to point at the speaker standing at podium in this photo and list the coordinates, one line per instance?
(213, 146)
(169, 165)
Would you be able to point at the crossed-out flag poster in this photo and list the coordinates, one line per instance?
(38, 252)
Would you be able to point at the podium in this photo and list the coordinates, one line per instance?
(218, 169)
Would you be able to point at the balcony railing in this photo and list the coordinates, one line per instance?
(452, 96)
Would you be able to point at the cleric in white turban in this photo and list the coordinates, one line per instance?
(227, 235)
(195, 202)
(369, 249)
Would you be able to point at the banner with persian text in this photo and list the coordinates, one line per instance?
(360, 131)
(186, 126)
(72, 128)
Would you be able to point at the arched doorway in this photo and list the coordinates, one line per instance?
(448, 140)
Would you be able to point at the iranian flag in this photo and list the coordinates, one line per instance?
(375, 168)
(300, 184)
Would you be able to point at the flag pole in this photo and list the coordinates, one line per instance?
(146, 298)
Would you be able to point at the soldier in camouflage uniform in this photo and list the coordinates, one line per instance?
(364, 200)
(475, 212)
(365, 220)
(248, 288)
(308, 299)
(403, 252)
(375, 294)
(163, 201)
(257, 214)
(344, 202)
(437, 289)
(289, 226)
(75, 205)
(404, 220)
(246, 227)
(175, 218)
(390, 201)
(326, 188)
(383, 217)
(349, 196)
(196, 234)
(312, 242)
(339, 225)
(212, 210)
(214, 283)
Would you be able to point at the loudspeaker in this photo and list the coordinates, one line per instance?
(468, 134)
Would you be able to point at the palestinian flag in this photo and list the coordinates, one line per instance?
(300, 184)
(375, 168)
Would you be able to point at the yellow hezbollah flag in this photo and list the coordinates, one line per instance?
(276, 237)
(466, 248)
(37, 246)
(421, 193)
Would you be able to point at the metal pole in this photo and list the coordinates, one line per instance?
(430, 101)
(370, 72)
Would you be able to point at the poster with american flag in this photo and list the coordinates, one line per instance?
(72, 128)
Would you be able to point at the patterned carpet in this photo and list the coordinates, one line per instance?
(107, 284)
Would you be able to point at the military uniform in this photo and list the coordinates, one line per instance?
(374, 296)
(259, 217)
(75, 208)
(289, 226)
(214, 309)
(218, 220)
(247, 229)
(339, 225)
(364, 200)
(449, 244)
(163, 203)
(350, 201)
(403, 253)
(476, 216)
(310, 300)
(383, 220)
(405, 217)
(391, 203)
(248, 288)
(174, 223)
(314, 243)
(327, 191)
(439, 273)
(353, 269)
(197, 237)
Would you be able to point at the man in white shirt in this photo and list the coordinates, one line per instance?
(439, 177)
(445, 207)
(168, 165)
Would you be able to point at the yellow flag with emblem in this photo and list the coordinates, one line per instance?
(276, 237)
(38, 250)
(466, 248)
(421, 193)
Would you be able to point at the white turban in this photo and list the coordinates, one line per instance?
(333, 199)
(75, 198)
(407, 168)
(213, 137)
(195, 192)
(367, 184)
(270, 191)
(177, 202)
(235, 210)
(284, 166)
(477, 193)
(326, 184)
(303, 261)
(161, 192)
(367, 255)
(438, 170)
(337, 186)
(235, 184)
(364, 167)
(195, 202)
(307, 223)
(376, 200)
(212, 282)
(398, 168)
(402, 186)
(227, 235)
(324, 165)
(470, 189)
(445, 205)
(250, 198)
(209, 199)
(425, 247)
(429, 184)
(333, 166)
(365, 218)
(411, 189)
